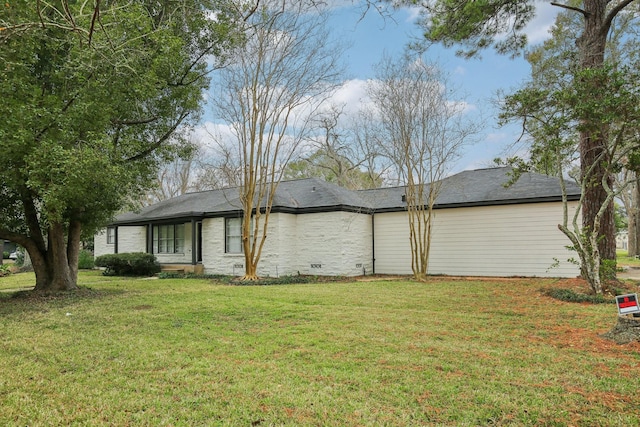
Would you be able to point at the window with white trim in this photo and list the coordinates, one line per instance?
(168, 239)
(233, 235)
(111, 235)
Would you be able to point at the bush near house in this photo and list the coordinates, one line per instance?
(5, 270)
(85, 260)
(128, 264)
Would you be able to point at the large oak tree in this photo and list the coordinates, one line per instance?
(95, 95)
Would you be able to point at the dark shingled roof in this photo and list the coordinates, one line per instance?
(303, 195)
(469, 188)
(482, 187)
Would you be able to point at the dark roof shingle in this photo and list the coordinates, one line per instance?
(468, 188)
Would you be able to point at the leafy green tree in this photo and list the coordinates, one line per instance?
(552, 107)
(95, 96)
(476, 25)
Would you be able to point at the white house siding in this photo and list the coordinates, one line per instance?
(134, 239)
(214, 259)
(130, 239)
(334, 243)
(281, 249)
(100, 246)
(507, 240)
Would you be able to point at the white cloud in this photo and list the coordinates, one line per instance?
(414, 13)
(208, 134)
(460, 71)
(352, 94)
(461, 107)
(538, 28)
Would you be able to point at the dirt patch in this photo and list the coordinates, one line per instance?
(380, 278)
(44, 296)
(143, 307)
(611, 288)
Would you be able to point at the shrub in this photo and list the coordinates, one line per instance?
(128, 264)
(284, 280)
(19, 262)
(85, 260)
(5, 255)
(568, 295)
(608, 269)
(5, 270)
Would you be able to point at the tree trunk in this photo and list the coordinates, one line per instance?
(52, 267)
(594, 171)
(633, 237)
(593, 144)
(73, 248)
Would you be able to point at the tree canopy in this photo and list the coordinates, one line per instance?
(95, 96)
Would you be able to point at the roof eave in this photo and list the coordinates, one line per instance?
(189, 216)
(548, 199)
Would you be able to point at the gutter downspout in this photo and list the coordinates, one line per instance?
(150, 238)
(373, 243)
(194, 243)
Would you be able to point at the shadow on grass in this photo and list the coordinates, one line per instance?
(30, 300)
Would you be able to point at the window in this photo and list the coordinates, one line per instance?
(168, 239)
(111, 235)
(233, 236)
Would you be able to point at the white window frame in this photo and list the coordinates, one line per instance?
(168, 238)
(233, 236)
(111, 235)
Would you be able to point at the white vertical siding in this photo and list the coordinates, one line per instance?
(507, 240)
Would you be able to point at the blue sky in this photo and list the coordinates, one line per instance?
(476, 81)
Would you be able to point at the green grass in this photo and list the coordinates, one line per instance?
(624, 259)
(181, 352)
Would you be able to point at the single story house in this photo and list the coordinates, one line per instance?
(482, 227)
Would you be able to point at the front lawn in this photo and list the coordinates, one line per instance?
(181, 352)
(624, 260)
